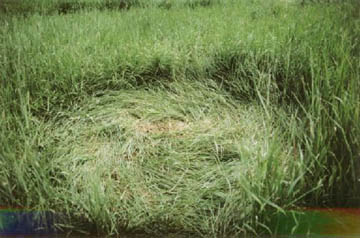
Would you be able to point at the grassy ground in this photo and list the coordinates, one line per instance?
(198, 118)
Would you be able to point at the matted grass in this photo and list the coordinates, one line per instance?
(186, 159)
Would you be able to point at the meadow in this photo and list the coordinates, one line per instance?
(193, 116)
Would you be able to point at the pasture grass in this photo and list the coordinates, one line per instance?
(204, 120)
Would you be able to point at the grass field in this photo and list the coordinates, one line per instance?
(199, 117)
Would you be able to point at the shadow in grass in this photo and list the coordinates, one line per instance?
(73, 7)
(18, 7)
(244, 76)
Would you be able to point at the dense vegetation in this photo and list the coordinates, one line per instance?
(196, 116)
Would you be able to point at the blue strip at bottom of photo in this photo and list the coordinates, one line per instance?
(24, 222)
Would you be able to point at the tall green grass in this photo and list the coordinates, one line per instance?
(204, 120)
